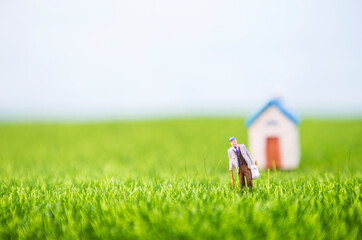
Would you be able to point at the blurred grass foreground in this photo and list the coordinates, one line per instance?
(169, 179)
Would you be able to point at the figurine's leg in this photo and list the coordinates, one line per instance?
(249, 180)
(241, 178)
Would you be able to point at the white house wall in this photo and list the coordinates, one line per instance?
(273, 123)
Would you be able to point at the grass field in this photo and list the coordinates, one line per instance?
(169, 179)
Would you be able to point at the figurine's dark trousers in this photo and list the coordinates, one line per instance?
(244, 171)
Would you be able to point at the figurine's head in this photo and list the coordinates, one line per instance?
(233, 142)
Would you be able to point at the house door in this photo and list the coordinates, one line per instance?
(273, 153)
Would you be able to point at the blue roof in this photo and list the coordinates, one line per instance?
(276, 103)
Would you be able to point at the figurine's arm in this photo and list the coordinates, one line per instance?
(231, 170)
(247, 152)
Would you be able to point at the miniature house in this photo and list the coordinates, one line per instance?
(274, 137)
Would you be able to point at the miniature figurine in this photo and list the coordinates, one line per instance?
(239, 158)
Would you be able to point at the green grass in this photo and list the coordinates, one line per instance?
(169, 179)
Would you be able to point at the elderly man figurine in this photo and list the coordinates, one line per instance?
(239, 158)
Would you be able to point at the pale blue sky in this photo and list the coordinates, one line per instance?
(106, 59)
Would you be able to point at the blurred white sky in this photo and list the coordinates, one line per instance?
(94, 59)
